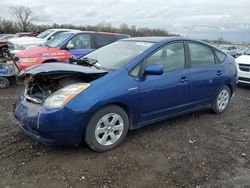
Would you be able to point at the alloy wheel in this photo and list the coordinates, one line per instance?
(109, 129)
(223, 99)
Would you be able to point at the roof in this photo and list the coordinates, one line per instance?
(153, 39)
(107, 33)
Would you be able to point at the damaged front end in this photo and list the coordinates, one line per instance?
(44, 80)
(41, 108)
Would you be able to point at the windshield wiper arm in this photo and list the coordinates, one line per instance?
(85, 61)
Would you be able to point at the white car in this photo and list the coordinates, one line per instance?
(243, 66)
(18, 44)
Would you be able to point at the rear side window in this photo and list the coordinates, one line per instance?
(221, 56)
(101, 40)
(201, 55)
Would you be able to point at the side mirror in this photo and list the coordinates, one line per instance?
(70, 46)
(154, 69)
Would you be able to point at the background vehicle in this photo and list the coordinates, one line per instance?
(231, 50)
(125, 85)
(64, 46)
(7, 37)
(27, 34)
(21, 43)
(8, 68)
(243, 66)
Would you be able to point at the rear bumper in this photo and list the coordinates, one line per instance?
(52, 127)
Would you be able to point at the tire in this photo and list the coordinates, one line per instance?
(102, 134)
(4, 83)
(222, 100)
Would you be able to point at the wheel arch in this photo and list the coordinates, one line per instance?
(125, 107)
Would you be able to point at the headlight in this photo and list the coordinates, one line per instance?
(27, 60)
(61, 97)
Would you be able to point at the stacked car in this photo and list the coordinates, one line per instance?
(66, 45)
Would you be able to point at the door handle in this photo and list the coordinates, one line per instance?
(219, 73)
(184, 79)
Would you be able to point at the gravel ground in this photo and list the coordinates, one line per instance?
(195, 150)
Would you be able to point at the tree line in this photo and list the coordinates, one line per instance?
(23, 21)
(9, 26)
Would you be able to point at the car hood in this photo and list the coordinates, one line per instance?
(245, 59)
(52, 68)
(40, 51)
(26, 40)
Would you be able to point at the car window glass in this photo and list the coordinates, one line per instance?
(221, 56)
(247, 52)
(101, 40)
(44, 34)
(171, 57)
(200, 55)
(136, 70)
(81, 42)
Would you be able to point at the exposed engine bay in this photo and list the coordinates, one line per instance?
(39, 87)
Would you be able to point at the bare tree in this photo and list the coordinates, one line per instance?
(23, 16)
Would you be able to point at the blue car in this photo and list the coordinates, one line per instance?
(122, 86)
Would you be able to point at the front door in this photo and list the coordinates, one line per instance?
(166, 94)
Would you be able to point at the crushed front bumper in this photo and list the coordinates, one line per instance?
(53, 127)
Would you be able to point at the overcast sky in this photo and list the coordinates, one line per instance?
(194, 18)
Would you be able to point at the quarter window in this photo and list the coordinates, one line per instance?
(200, 55)
(221, 56)
(171, 57)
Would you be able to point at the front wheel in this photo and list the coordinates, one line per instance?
(107, 129)
(222, 100)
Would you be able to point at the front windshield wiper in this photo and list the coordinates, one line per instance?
(85, 62)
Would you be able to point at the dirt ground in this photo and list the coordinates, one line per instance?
(195, 150)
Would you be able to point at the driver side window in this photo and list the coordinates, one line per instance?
(171, 57)
(80, 42)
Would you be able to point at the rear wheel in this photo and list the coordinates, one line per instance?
(4, 83)
(222, 100)
(107, 129)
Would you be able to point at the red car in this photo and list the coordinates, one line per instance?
(27, 34)
(66, 45)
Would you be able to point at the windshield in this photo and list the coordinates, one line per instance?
(57, 40)
(118, 54)
(44, 34)
(247, 52)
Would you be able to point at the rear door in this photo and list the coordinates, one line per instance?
(81, 45)
(206, 74)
